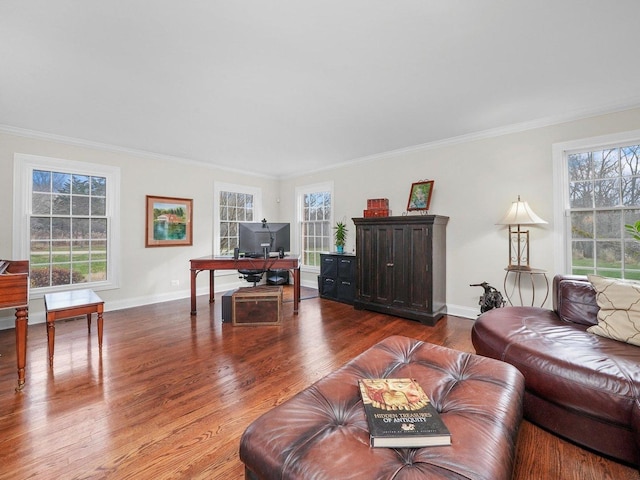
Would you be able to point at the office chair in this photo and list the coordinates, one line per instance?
(251, 275)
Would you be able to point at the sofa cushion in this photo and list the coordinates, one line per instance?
(576, 301)
(619, 315)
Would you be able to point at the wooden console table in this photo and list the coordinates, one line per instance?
(213, 263)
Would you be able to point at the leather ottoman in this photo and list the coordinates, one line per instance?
(321, 433)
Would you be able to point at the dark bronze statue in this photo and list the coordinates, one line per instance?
(491, 298)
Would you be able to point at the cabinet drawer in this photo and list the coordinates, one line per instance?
(328, 266)
(328, 286)
(346, 291)
(346, 268)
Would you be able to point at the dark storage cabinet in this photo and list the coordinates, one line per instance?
(337, 280)
(401, 266)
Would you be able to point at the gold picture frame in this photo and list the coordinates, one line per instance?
(420, 195)
(169, 222)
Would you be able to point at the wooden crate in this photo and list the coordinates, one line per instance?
(261, 305)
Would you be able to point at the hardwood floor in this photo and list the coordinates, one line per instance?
(171, 394)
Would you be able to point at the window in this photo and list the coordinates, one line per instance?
(315, 215)
(64, 222)
(235, 204)
(601, 195)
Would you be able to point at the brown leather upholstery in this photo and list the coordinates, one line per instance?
(581, 386)
(321, 433)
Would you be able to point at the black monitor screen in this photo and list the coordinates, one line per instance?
(254, 237)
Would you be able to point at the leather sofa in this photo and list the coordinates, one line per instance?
(581, 386)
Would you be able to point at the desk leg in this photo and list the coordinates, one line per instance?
(21, 344)
(211, 287)
(194, 273)
(296, 290)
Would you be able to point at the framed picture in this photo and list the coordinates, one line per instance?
(420, 195)
(169, 221)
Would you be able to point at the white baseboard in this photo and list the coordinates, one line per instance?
(7, 320)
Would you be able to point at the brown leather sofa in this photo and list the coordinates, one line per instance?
(581, 386)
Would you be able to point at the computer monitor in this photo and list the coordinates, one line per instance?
(255, 237)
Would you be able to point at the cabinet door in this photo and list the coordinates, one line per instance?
(419, 267)
(383, 266)
(409, 284)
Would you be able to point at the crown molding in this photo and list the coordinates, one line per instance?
(78, 142)
(470, 137)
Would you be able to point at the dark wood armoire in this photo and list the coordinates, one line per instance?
(401, 266)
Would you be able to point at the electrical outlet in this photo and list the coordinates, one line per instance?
(175, 283)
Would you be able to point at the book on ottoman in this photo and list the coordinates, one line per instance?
(400, 415)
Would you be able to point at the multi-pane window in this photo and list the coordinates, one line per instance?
(604, 196)
(64, 222)
(234, 207)
(315, 221)
(68, 228)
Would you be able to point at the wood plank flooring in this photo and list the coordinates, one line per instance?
(171, 394)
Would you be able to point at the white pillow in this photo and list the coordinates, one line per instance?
(619, 315)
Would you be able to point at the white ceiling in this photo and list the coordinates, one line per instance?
(283, 87)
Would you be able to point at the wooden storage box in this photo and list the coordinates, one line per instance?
(374, 203)
(261, 305)
(376, 212)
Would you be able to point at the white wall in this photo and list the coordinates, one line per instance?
(475, 183)
(146, 273)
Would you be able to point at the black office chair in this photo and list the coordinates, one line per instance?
(251, 275)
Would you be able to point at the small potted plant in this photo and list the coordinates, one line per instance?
(340, 235)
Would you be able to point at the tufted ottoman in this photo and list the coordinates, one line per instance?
(321, 433)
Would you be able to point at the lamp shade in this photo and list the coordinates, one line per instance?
(520, 213)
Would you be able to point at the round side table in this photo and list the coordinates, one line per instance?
(533, 275)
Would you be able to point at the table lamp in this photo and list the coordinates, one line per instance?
(519, 214)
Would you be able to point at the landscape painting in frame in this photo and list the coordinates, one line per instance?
(169, 221)
(420, 195)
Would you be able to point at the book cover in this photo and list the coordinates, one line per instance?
(400, 415)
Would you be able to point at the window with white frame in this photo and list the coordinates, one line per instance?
(315, 214)
(64, 222)
(601, 195)
(235, 204)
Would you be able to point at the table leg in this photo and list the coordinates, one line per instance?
(194, 273)
(100, 325)
(21, 344)
(296, 290)
(51, 335)
(89, 322)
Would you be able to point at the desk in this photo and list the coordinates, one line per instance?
(213, 263)
(71, 304)
(532, 273)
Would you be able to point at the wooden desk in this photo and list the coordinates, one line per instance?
(71, 304)
(212, 263)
